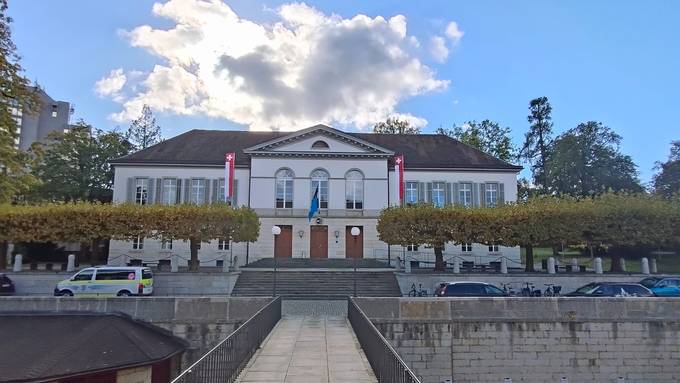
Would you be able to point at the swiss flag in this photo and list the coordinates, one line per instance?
(399, 177)
(229, 160)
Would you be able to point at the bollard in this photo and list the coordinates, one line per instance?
(652, 267)
(598, 265)
(623, 265)
(507, 380)
(225, 263)
(18, 260)
(407, 266)
(235, 268)
(456, 266)
(644, 265)
(564, 379)
(551, 265)
(397, 267)
(504, 265)
(620, 379)
(71, 265)
(574, 265)
(174, 265)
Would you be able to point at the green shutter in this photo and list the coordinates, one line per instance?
(447, 197)
(501, 194)
(403, 200)
(131, 190)
(187, 190)
(215, 187)
(159, 190)
(150, 190)
(234, 197)
(455, 195)
(475, 194)
(206, 188)
(482, 194)
(421, 192)
(178, 192)
(428, 193)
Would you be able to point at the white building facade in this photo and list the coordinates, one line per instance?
(276, 174)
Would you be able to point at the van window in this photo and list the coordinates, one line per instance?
(115, 275)
(84, 275)
(146, 274)
(461, 289)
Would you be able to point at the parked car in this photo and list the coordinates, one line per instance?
(649, 282)
(667, 287)
(107, 281)
(611, 289)
(6, 285)
(468, 289)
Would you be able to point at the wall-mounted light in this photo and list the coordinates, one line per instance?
(301, 233)
(337, 235)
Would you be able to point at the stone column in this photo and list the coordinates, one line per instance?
(504, 265)
(652, 267)
(397, 267)
(407, 265)
(225, 263)
(644, 265)
(235, 265)
(598, 265)
(174, 265)
(18, 260)
(623, 265)
(71, 265)
(551, 265)
(456, 266)
(574, 265)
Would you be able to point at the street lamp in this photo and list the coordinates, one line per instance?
(275, 231)
(355, 232)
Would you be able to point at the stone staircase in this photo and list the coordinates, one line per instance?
(316, 284)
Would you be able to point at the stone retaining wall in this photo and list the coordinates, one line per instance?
(533, 339)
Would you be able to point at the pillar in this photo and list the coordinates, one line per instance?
(235, 264)
(644, 265)
(504, 265)
(18, 260)
(551, 265)
(623, 265)
(652, 267)
(174, 264)
(598, 265)
(71, 264)
(397, 267)
(574, 265)
(407, 265)
(456, 266)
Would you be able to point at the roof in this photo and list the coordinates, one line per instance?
(207, 147)
(41, 347)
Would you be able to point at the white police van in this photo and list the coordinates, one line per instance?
(107, 281)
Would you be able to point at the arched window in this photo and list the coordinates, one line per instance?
(284, 189)
(320, 181)
(354, 190)
(320, 145)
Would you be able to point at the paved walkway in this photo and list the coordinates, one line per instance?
(311, 349)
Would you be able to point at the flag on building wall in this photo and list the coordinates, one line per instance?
(314, 207)
(229, 160)
(399, 177)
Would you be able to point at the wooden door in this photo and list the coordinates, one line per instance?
(354, 247)
(283, 243)
(318, 242)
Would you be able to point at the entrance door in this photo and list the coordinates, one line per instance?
(354, 246)
(283, 243)
(318, 245)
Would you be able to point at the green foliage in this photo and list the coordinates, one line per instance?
(395, 126)
(667, 180)
(143, 131)
(586, 161)
(538, 139)
(75, 165)
(487, 136)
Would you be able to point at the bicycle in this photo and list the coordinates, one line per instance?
(421, 292)
(530, 291)
(508, 289)
(552, 290)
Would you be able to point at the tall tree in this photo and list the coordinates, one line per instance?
(667, 180)
(586, 161)
(395, 126)
(487, 136)
(144, 131)
(538, 139)
(75, 164)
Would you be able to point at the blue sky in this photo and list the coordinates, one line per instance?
(610, 61)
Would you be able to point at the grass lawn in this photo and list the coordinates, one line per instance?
(665, 263)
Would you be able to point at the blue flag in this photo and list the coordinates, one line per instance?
(315, 205)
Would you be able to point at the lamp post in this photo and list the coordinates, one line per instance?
(355, 232)
(275, 231)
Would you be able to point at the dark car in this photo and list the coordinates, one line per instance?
(611, 289)
(6, 285)
(650, 282)
(469, 289)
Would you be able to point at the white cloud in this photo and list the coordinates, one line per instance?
(438, 49)
(306, 68)
(111, 85)
(453, 32)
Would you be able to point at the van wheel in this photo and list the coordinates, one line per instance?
(66, 293)
(124, 293)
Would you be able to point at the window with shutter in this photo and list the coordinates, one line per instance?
(411, 192)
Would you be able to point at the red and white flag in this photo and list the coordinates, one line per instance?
(399, 179)
(229, 160)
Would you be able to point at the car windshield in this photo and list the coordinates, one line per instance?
(649, 282)
(587, 289)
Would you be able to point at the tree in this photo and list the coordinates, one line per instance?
(538, 139)
(395, 126)
(143, 131)
(586, 161)
(667, 180)
(487, 136)
(75, 164)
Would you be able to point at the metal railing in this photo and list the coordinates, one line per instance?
(385, 362)
(224, 362)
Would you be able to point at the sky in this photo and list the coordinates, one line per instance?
(211, 64)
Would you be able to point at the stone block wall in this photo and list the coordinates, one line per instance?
(533, 339)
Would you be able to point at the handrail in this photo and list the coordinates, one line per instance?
(385, 362)
(226, 360)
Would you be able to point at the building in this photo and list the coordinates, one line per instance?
(51, 116)
(92, 348)
(277, 173)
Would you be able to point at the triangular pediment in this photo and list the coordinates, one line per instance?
(320, 139)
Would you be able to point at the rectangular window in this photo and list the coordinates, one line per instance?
(141, 191)
(411, 193)
(222, 191)
(166, 244)
(169, 191)
(284, 193)
(354, 194)
(493, 248)
(322, 185)
(466, 247)
(197, 191)
(412, 247)
(491, 194)
(222, 244)
(115, 275)
(465, 194)
(438, 194)
(138, 243)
